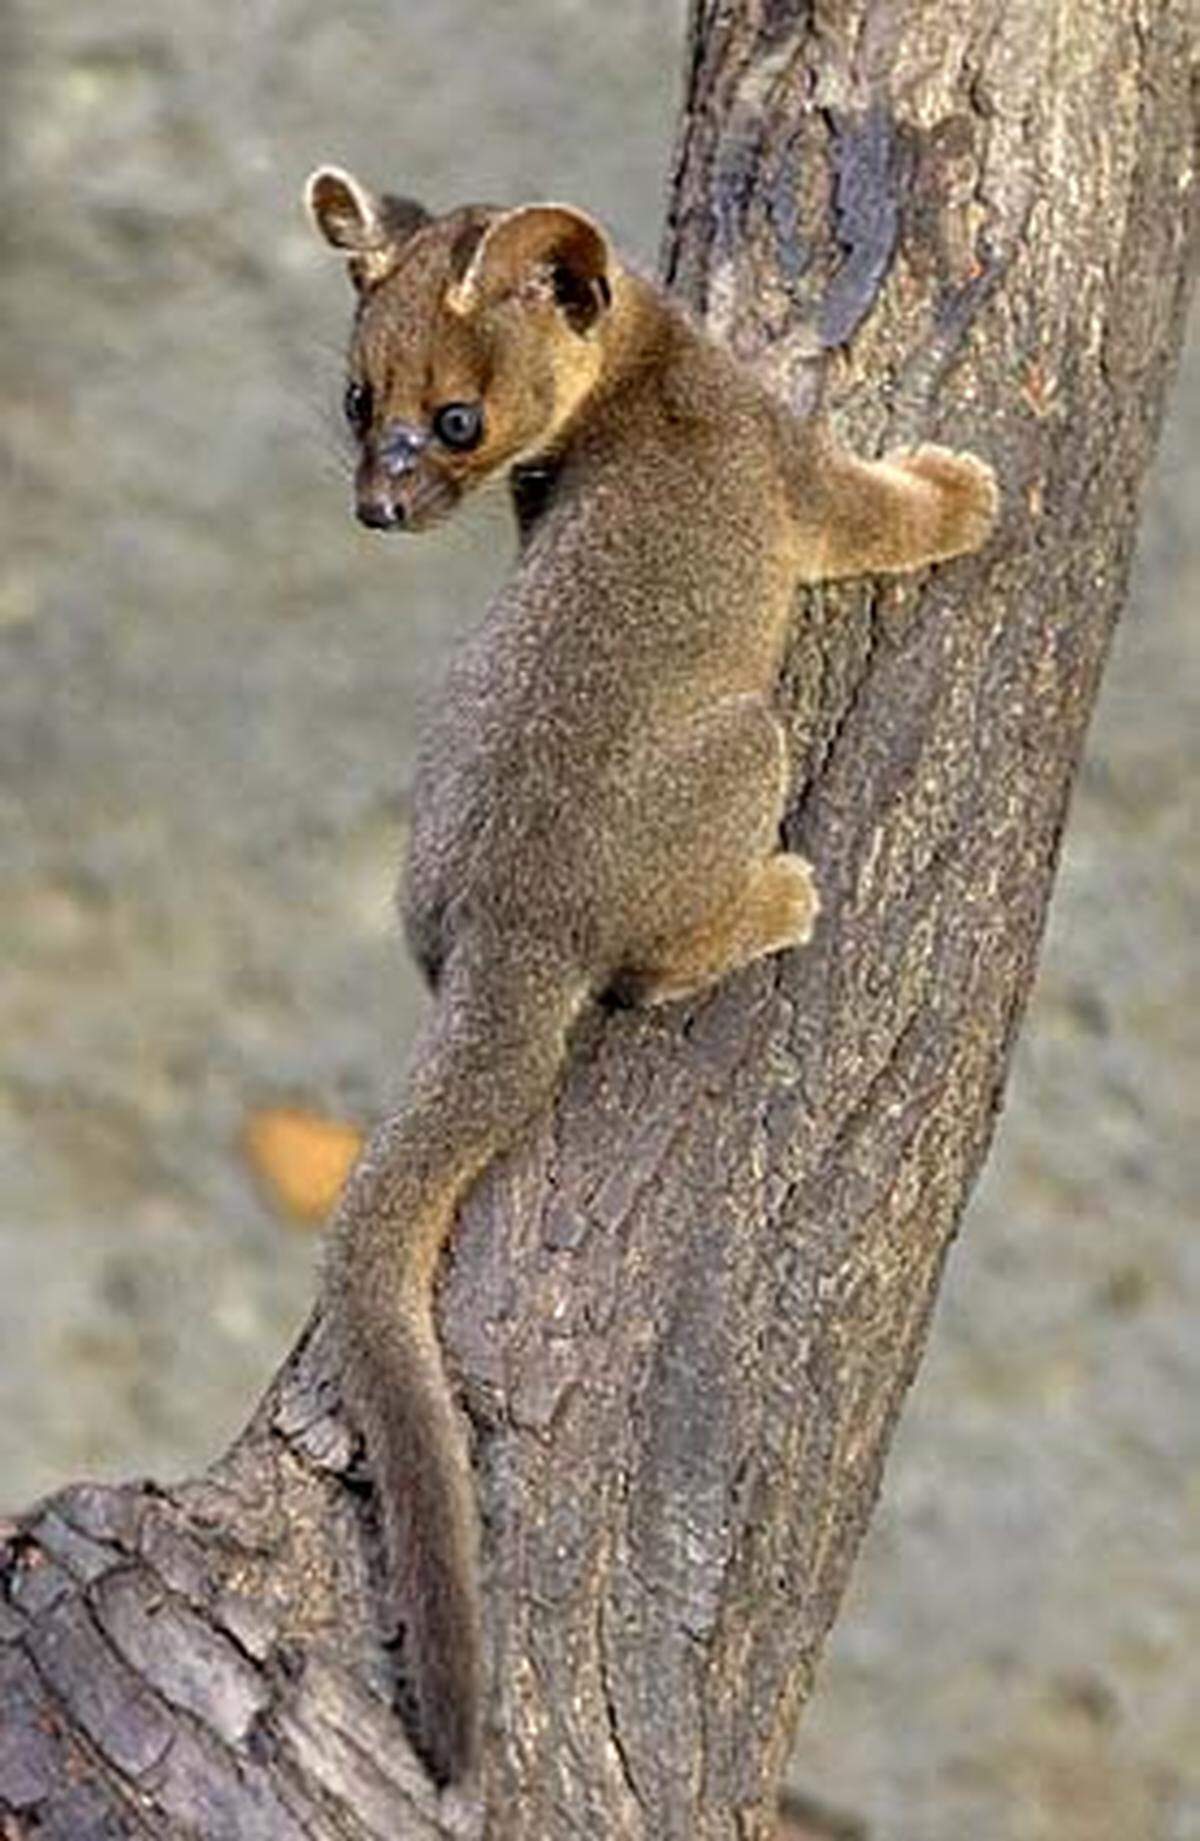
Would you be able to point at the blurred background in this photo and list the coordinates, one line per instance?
(209, 686)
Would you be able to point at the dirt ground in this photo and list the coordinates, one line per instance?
(210, 682)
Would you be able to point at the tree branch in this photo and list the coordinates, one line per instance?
(687, 1314)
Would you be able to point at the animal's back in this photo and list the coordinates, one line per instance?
(614, 627)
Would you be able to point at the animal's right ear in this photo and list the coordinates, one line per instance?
(541, 252)
(369, 230)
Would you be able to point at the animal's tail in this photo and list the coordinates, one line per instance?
(487, 1063)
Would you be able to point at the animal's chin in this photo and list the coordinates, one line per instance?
(428, 517)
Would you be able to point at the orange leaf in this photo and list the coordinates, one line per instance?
(300, 1158)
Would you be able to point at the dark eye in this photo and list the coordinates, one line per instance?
(459, 425)
(358, 403)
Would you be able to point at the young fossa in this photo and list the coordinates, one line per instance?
(598, 803)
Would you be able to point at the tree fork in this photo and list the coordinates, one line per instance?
(686, 1315)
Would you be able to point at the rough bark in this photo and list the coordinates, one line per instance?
(686, 1316)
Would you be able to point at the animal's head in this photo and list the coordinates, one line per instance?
(477, 336)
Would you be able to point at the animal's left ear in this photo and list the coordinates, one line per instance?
(541, 252)
(370, 230)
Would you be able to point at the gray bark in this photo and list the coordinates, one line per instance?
(686, 1315)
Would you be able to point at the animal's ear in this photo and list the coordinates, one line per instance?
(370, 230)
(541, 252)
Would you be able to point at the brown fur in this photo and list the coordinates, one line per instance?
(598, 802)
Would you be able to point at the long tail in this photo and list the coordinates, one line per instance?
(487, 1063)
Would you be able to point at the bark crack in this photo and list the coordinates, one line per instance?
(611, 1712)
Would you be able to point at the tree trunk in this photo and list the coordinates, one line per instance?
(686, 1315)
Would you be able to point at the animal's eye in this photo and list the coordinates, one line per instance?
(459, 425)
(358, 403)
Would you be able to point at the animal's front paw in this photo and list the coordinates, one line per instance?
(968, 498)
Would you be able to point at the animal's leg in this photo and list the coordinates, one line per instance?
(775, 909)
(918, 506)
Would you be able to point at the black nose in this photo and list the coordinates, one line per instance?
(379, 514)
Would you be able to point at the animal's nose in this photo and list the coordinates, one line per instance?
(401, 445)
(379, 514)
(376, 490)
